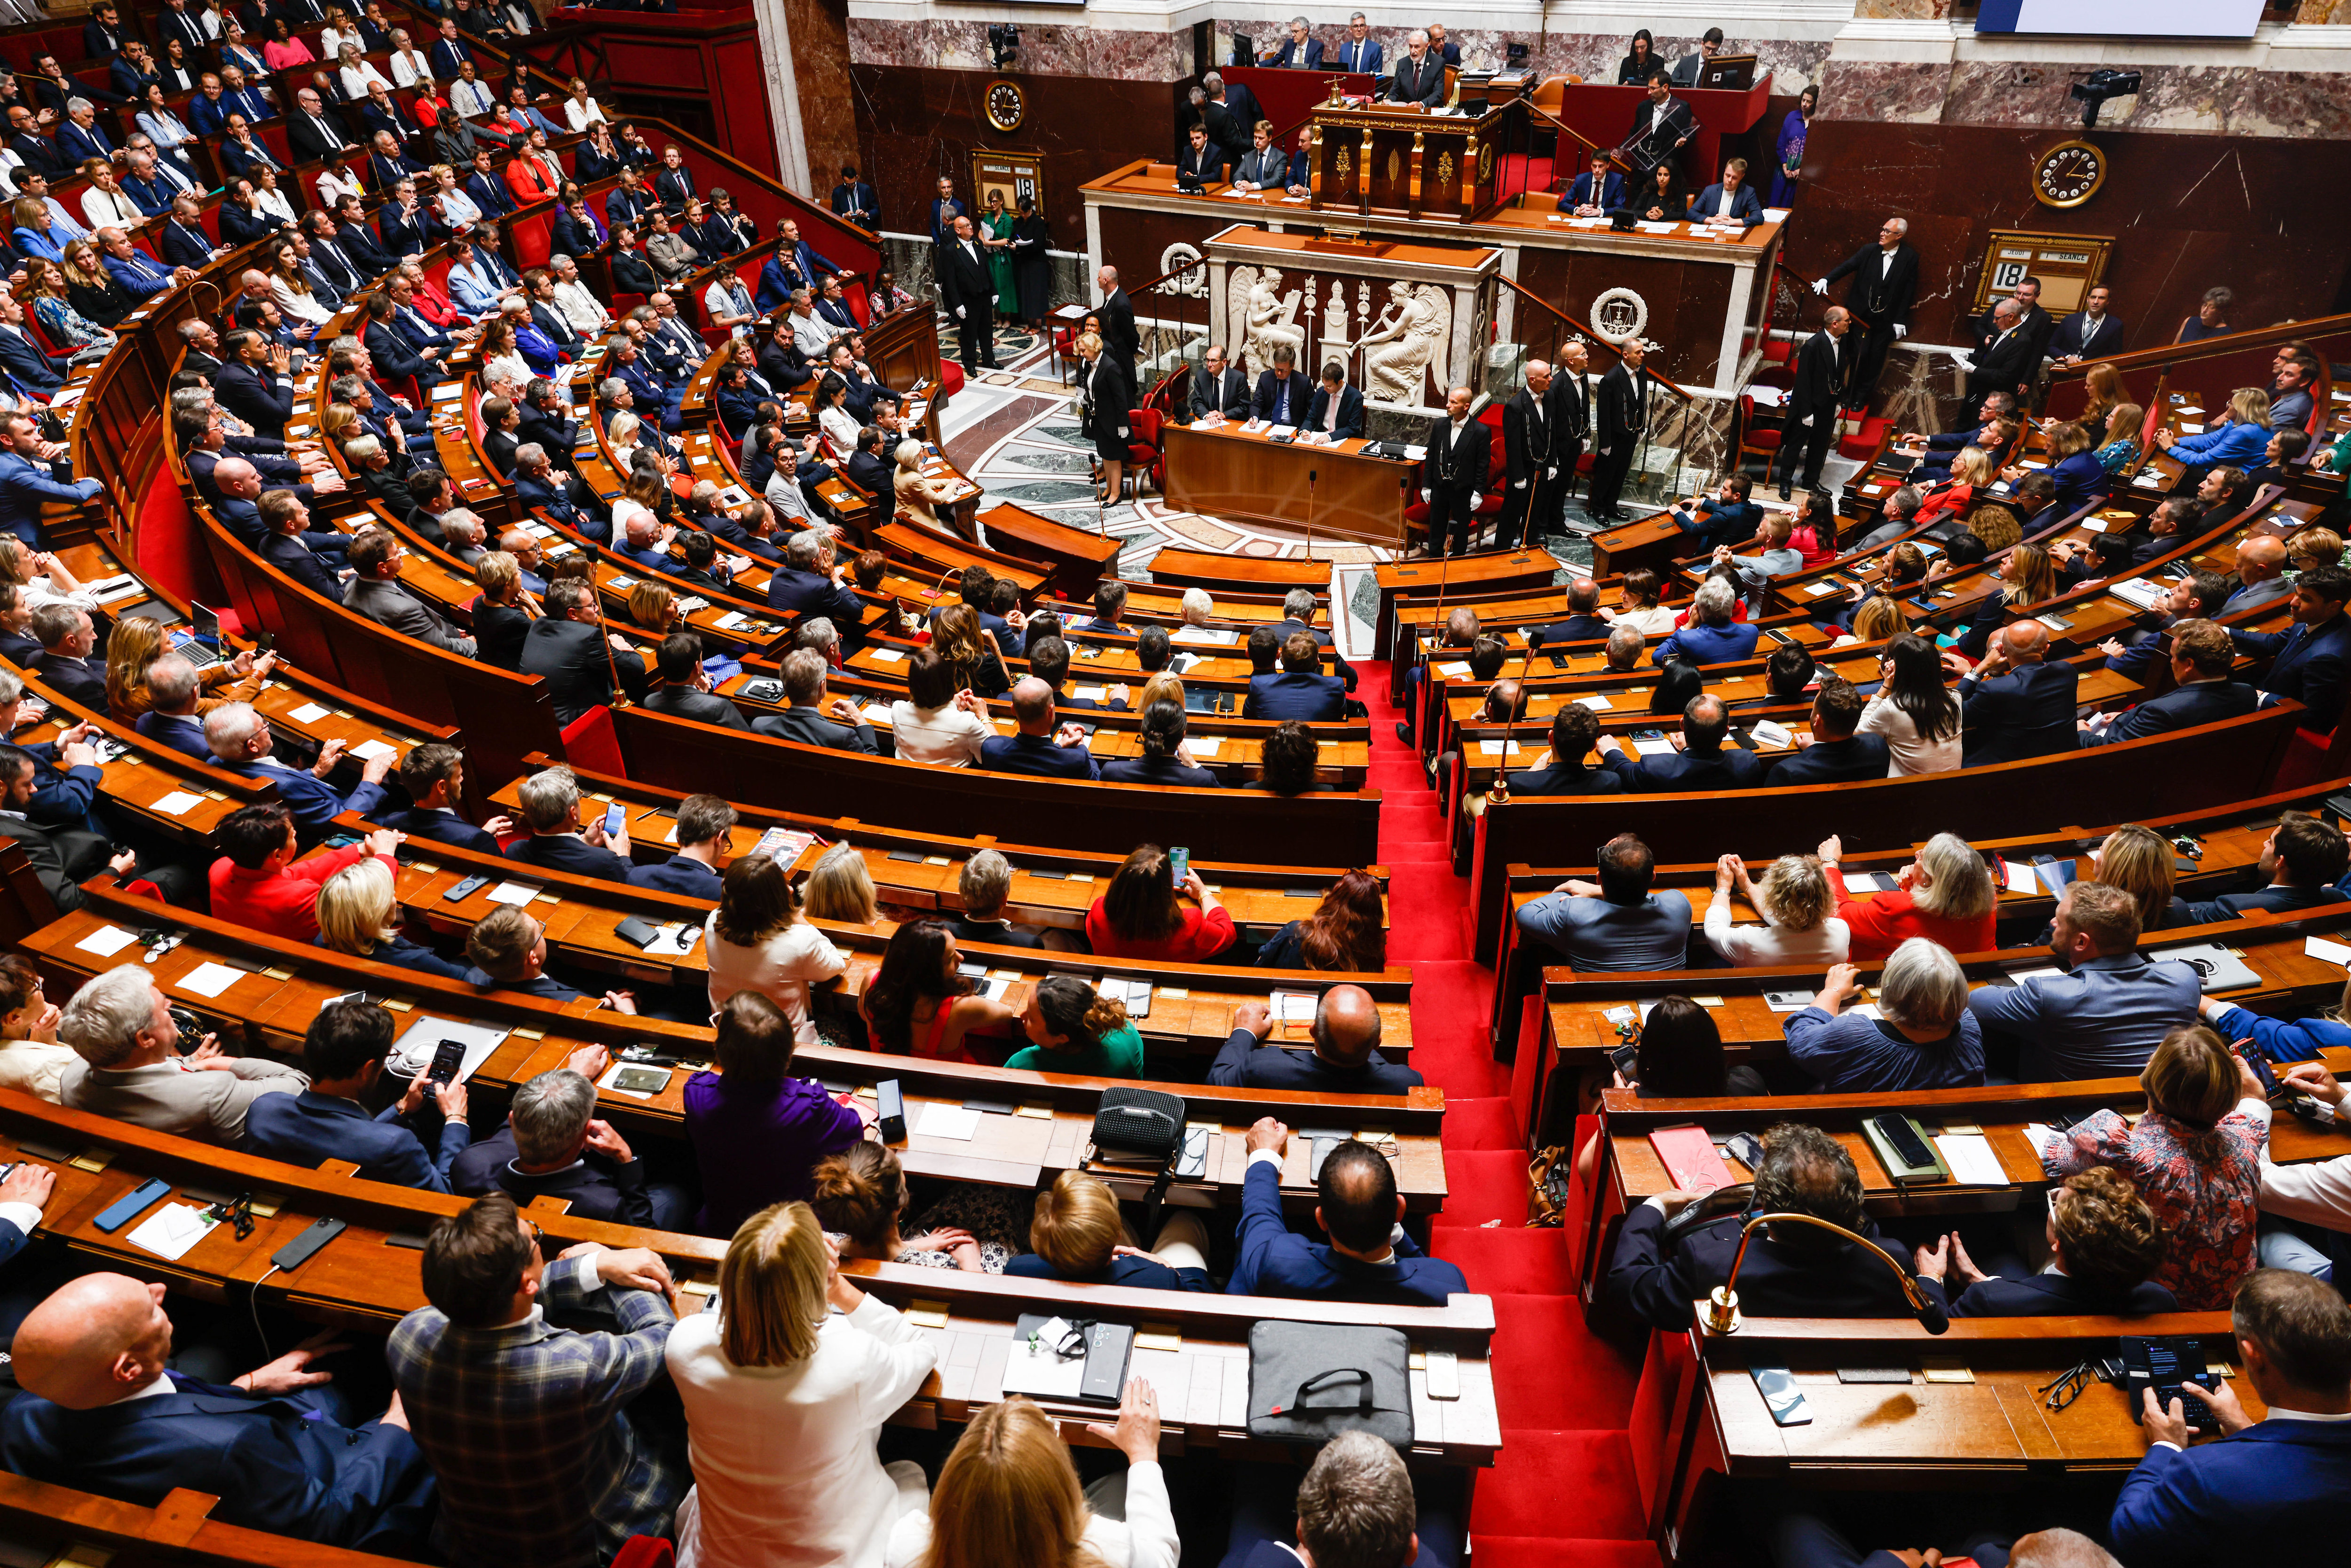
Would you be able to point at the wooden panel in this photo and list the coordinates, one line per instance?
(1338, 490)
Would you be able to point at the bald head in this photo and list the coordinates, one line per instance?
(236, 476)
(1346, 1025)
(2259, 559)
(2059, 1549)
(99, 1340)
(1032, 705)
(2026, 641)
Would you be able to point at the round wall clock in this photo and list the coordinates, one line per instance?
(2069, 173)
(1007, 107)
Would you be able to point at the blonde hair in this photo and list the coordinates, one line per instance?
(1164, 686)
(1796, 893)
(652, 606)
(1076, 1224)
(771, 1288)
(355, 908)
(2325, 543)
(1089, 343)
(1971, 466)
(2191, 1077)
(1009, 1495)
(841, 888)
(15, 562)
(496, 572)
(2249, 405)
(2137, 859)
(137, 642)
(1958, 886)
(2031, 576)
(341, 422)
(2124, 423)
(1878, 618)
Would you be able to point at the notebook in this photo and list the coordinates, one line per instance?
(1690, 1158)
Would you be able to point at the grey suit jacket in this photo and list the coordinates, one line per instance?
(388, 604)
(163, 1098)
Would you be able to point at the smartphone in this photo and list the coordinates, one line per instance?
(616, 820)
(1179, 864)
(466, 889)
(642, 1080)
(448, 1060)
(1896, 1130)
(1624, 1058)
(265, 643)
(1746, 1148)
(1781, 1397)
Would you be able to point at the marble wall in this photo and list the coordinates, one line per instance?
(2212, 100)
(821, 57)
(1110, 54)
(1595, 57)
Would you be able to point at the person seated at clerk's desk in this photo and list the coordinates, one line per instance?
(1687, 68)
(1264, 165)
(1219, 387)
(1298, 51)
(1345, 1059)
(1419, 76)
(1598, 191)
(1282, 391)
(1202, 162)
(2279, 1481)
(1358, 54)
(1791, 1270)
(1337, 409)
(1729, 200)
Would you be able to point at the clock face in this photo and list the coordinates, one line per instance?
(2068, 174)
(1005, 106)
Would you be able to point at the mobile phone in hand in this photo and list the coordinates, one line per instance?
(1179, 864)
(616, 820)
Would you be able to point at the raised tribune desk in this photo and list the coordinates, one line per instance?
(1343, 490)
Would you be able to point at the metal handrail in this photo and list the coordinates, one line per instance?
(1524, 292)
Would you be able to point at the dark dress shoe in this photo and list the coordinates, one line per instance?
(1403, 734)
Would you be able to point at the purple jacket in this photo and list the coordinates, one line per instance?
(757, 1143)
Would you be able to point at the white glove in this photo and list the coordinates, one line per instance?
(1551, 472)
(959, 312)
(1900, 331)
(1474, 499)
(1820, 286)
(1517, 483)
(1428, 498)
(1122, 433)
(1806, 421)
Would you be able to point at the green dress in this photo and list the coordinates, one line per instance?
(1000, 265)
(1120, 1055)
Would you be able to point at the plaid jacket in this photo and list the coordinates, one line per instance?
(526, 1428)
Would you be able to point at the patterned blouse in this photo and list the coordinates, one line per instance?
(2203, 1187)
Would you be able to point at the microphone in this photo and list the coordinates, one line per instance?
(1721, 1314)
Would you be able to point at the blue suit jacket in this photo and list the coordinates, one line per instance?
(182, 734)
(1287, 58)
(310, 798)
(2102, 1020)
(2028, 712)
(1743, 205)
(1611, 192)
(1036, 755)
(2055, 1296)
(310, 1126)
(1314, 699)
(2274, 899)
(569, 852)
(140, 275)
(678, 874)
(24, 485)
(1681, 772)
(1656, 1283)
(28, 367)
(441, 826)
(1350, 412)
(2200, 702)
(2305, 666)
(275, 1464)
(2279, 1483)
(1270, 1259)
(1708, 644)
(1834, 762)
(1343, 56)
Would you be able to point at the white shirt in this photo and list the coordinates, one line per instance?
(785, 1474)
(409, 68)
(298, 307)
(944, 737)
(275, 202)
(1909, 754)
(357, 77)
(333, 187)
(778, 968)
(583, 309)
(840, 427)
(1754, 947)
(1145, 1539)
(1885, 261)
(103, 207)
(1724, 201)
(579, 117)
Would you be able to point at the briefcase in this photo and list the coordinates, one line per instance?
(1138, 1126)
(1310, 1382)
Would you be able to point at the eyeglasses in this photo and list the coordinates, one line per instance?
(2067, 1388)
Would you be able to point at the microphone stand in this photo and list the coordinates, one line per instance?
(1310, 513)
(1498, 791)
(1721, 1315)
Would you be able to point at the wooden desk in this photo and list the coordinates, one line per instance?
(1228, 472)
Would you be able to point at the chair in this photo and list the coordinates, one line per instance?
(1064, 346)
(624, 303)
(1761, 441)
(1146, 451)
(590, 742)
(645, 1552)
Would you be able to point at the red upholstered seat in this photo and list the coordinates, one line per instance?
(588, 741)
(1146, 455)
(950, 377)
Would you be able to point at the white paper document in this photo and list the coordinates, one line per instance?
(515, 893)
(209, 979)
(308, 713)
(941, 1119)
(109, 940)
(369, 750)
(1971, 1157)
(171, 1229)
(1036, 1368)
(2317, 946)
(178, 803)
(2021, 877)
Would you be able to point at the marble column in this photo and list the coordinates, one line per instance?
(775, 30)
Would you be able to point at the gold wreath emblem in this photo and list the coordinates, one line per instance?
(1346, 165)
(1445, 168)
(1395, 164)
(1485, 163)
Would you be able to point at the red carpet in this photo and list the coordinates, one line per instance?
(1563, 1493)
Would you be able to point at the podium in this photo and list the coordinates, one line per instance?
(1397, 160)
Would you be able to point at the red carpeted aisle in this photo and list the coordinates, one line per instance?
(1563, 1494)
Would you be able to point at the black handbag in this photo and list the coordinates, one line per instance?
(1138, 1126)
(1310, 1382)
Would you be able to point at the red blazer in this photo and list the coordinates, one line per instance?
(1881, 922)
(528, 181)
(281, 902)
(1201, 939)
